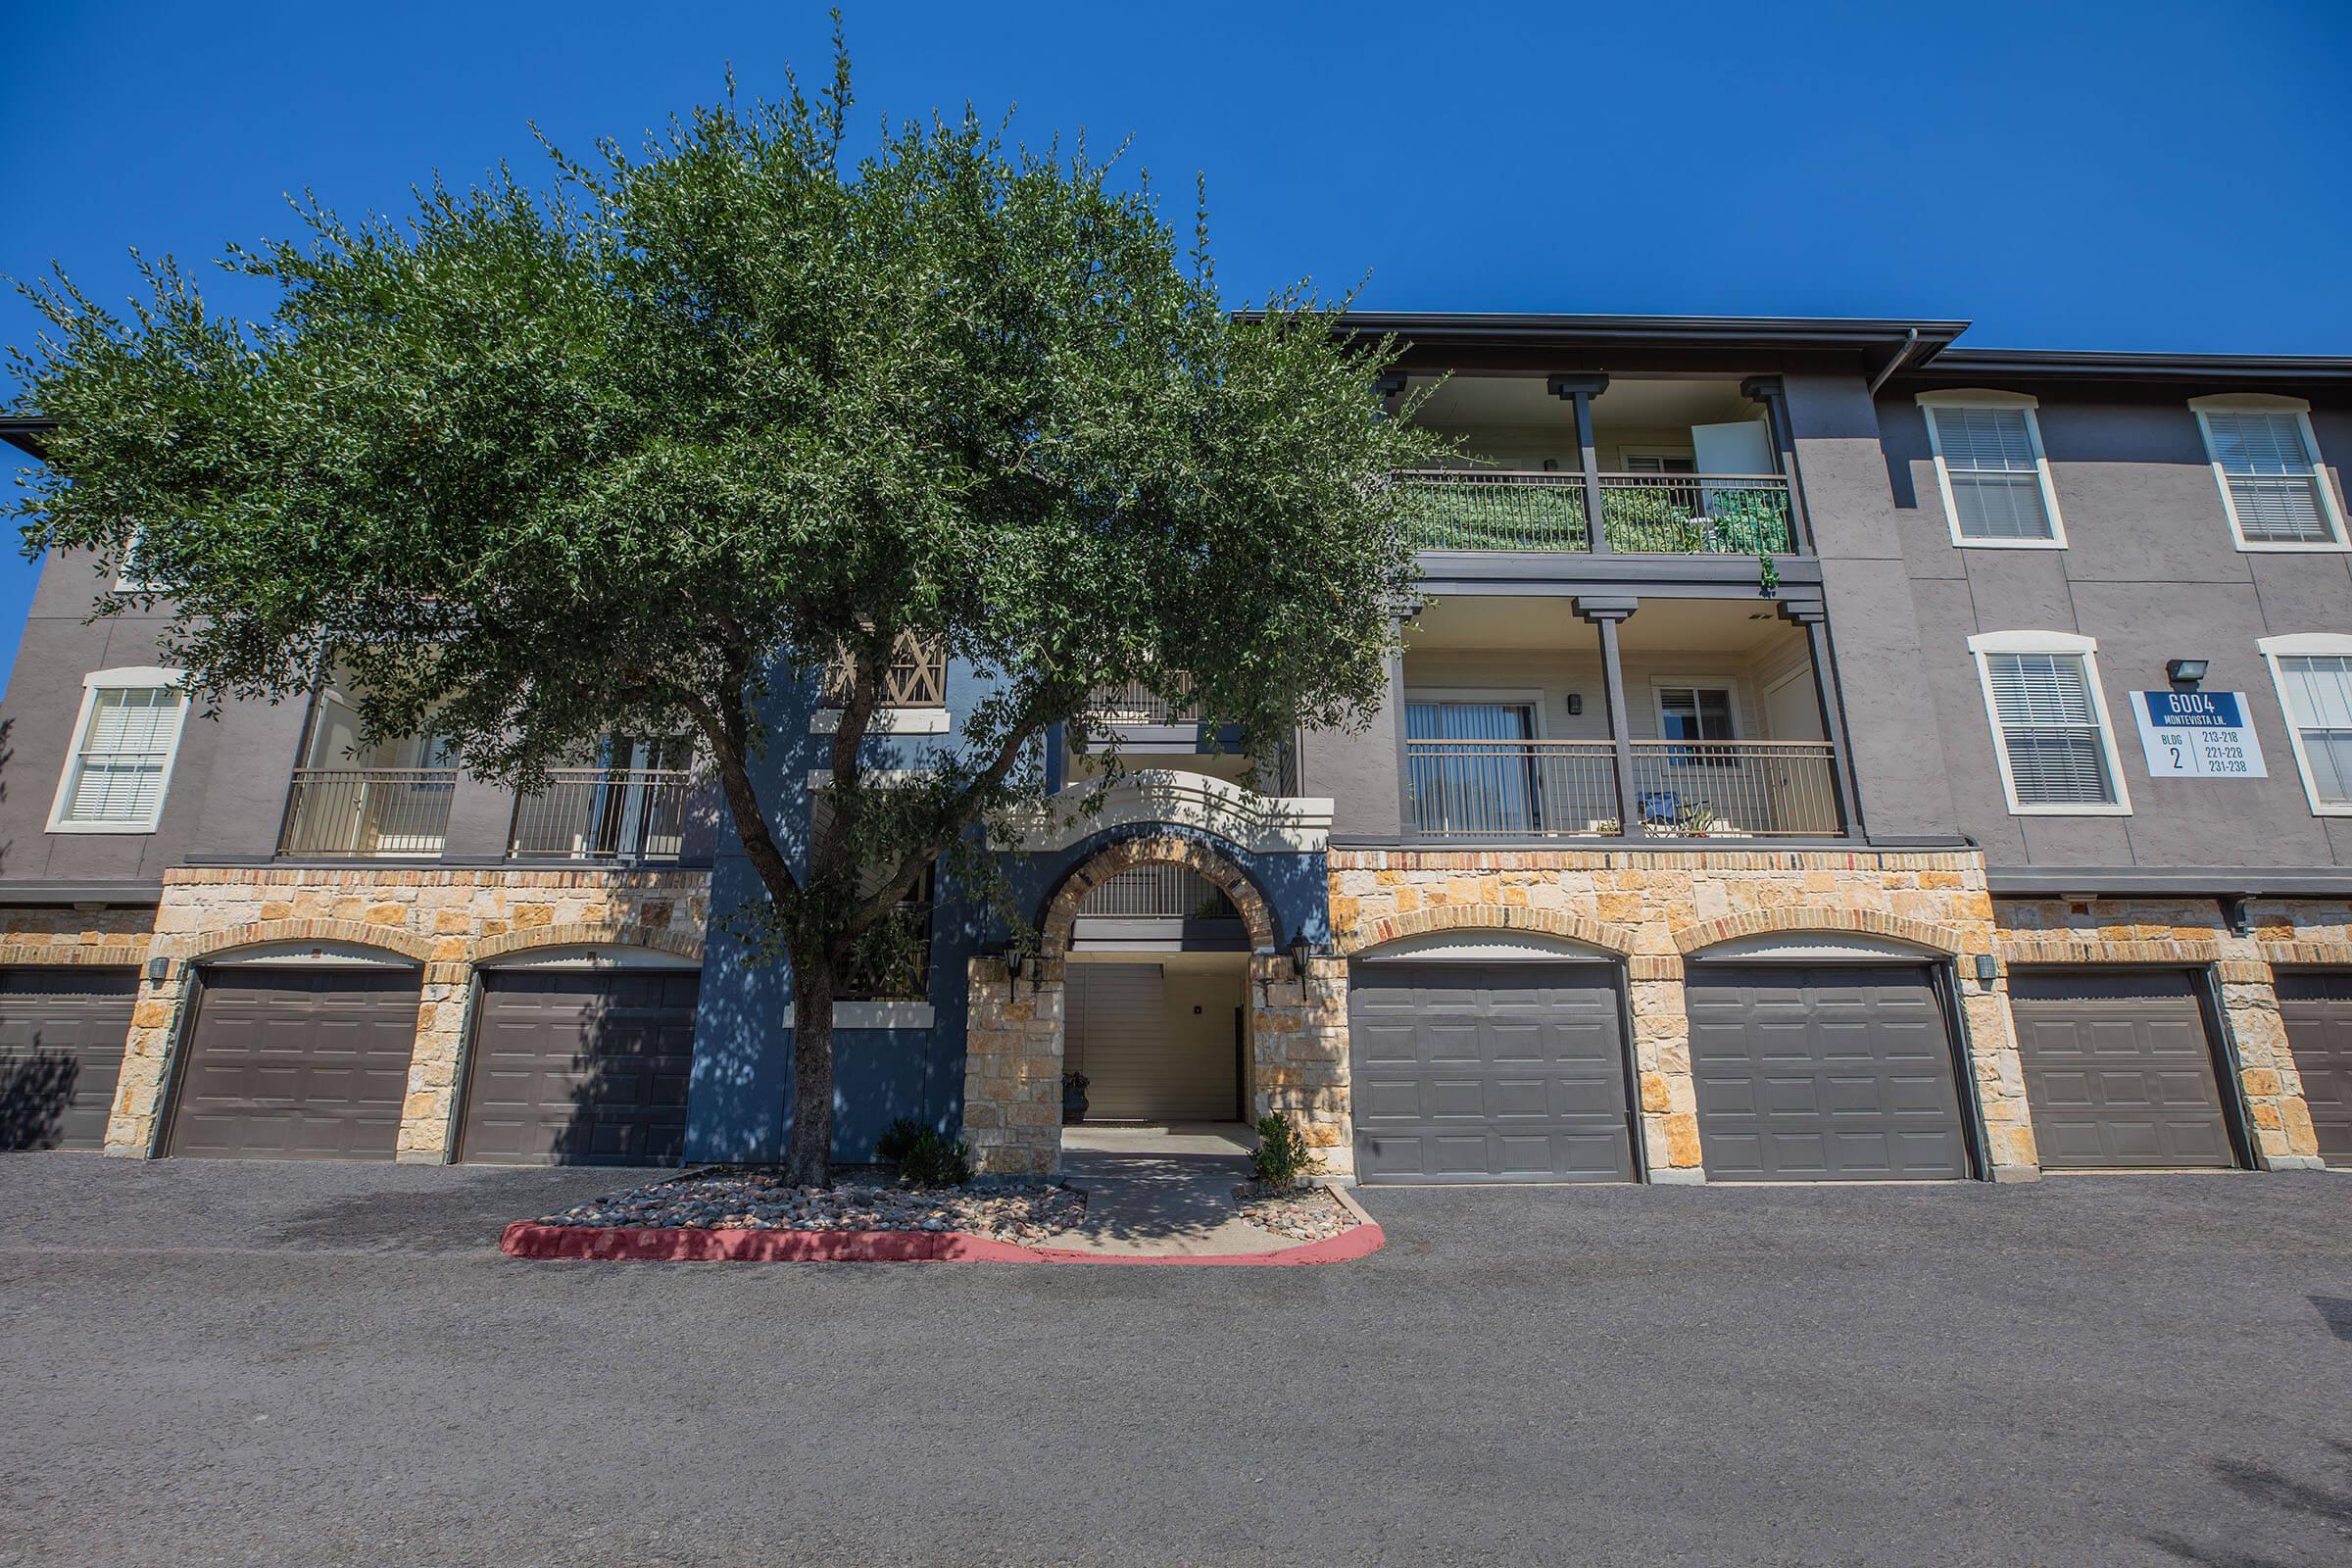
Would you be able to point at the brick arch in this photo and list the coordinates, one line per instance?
(261, 933)
(1486, 917)
(1214, 864)
(1804, 919)
(590, 934)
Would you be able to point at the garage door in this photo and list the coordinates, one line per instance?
(1489, 1072)
(1823, 1073)
(2318, 1008)
(297, 1063)
(2118, 1070)
(576, 1068)
(61, 1050)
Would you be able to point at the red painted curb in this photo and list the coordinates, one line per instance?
(649, 1244)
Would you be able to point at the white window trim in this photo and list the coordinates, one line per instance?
(127, 676)
(125, 580)
(886, 722)
(1974, 398)
(2308, 644)
(2321, 481)
(2050, 642)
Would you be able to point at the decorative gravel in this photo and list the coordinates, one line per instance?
(1302, 1214)
(1025, 1213)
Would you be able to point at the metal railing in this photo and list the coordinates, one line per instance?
(1135, 704)
(1157, 892)
(590, 813)
(1696, 514)
(1512, 789)
(1735, 789)
(917, 676)
(367, 810)
(1475, 508)
(1642, 513)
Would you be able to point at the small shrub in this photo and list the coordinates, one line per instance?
(923, 1158)
(1281, 1155)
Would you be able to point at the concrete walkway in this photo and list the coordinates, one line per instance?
(1161, 1191)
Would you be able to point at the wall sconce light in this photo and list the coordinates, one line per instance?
(1015, 959)
(1986, 968)
(1576, 703)
(2185, 671)
(1301, 950)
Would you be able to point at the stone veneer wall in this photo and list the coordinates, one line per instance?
(2192, 933)
(1658, 907)
(446, 919)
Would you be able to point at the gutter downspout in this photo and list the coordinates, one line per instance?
(1910, 342)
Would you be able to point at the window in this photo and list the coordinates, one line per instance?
(1697, 714)
(1469, 768)
(125, 738)
(2266, 463)
(2050, 729)
(135, 574)
(1991, 470)
(2313, 676)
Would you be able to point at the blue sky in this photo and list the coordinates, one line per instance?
(2144, 176)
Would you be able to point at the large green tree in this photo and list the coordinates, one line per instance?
(536, 466)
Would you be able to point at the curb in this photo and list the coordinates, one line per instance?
(647, 1244)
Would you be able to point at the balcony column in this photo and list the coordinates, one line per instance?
(1814, 618)
(1580, 390)
(1768, 390)
(1604, 614)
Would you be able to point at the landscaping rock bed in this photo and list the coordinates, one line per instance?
(1026, 1213)
(1302, 1214)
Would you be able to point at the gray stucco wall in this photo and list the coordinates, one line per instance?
(2151, 571)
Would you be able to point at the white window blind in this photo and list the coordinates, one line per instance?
(1996, 483)
(2319, 703)
(119, 758)
(2271, 484)
(2050, 729)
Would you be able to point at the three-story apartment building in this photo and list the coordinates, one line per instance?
(1818, 752)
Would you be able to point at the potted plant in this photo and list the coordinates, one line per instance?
(1073, 1098)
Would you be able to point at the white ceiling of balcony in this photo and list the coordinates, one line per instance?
(1489, 402)
(1529, 624)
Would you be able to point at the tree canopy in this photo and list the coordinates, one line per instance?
(537, 466)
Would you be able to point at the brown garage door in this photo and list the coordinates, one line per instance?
(2316, 1005)
(297, 1063)
(61, 1050)
(2118, 1069)
(1489, 1073)
(578, 1068)
(1823, 1073)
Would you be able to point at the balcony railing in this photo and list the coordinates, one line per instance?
(1133, 703)
(589, 813)
(1642, 513)
(367, 811)
(1467, 789)
(1159, 892)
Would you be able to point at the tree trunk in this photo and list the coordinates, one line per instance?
(809, 1155)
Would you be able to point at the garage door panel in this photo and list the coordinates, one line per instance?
(296, 1064)
(1516, 1072)
(1807, 1072)
(573, 1067)
(2316, 1005)
(2118, 1069)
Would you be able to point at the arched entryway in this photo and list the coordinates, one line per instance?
(1099, 930)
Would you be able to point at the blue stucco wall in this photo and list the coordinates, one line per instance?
(738, 1104)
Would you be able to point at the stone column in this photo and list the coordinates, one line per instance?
(2000, 1074)
(1012, 1068)
(2277, 1115)
(428, 1112)
(1298, 1054)
(1662, 1056)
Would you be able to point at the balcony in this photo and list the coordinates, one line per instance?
(590, 813)
(367, 812)
(1517, 790)
(1641, 513)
